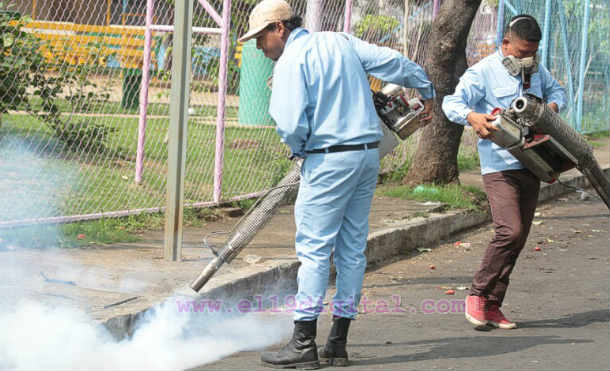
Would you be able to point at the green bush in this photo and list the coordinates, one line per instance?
(21, 65)
(374, 28)
(26, 76)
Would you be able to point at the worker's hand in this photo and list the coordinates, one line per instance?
(554, 107)
(427, 112)
(481, 123)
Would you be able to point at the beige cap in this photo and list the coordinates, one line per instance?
(265, 13)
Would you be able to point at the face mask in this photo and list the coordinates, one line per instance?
(517, 66)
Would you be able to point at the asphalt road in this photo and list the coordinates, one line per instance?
(559, 296)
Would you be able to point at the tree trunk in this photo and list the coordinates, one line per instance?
(435, 159)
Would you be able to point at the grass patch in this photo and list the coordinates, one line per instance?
(254, 159)
(113, 108)
(598, 135)
(468, 160)
(98, 232)
(398, 174)
(246, 204)
(455, 196)
(597, 139)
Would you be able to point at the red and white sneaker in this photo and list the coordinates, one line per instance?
(496, 318)
(476, 310)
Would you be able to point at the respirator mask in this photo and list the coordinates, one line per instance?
(521, 66)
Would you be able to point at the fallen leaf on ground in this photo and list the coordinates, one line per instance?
(252, 259)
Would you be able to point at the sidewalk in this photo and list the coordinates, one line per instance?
(115, 284)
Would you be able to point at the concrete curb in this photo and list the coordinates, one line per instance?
(382, 246)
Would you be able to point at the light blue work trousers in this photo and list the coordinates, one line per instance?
(332, 213)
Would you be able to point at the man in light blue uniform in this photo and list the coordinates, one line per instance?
(323, 108)
(512, 190)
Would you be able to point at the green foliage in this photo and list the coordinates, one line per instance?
(83, 135)
(468, 160)
(21, 65)
(455, 196)
(373, 28)
(26, 76)
(212, 67)
(246, 204)
(398, 174)
(604, 134)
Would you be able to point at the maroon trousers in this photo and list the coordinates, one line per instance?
(512, 195)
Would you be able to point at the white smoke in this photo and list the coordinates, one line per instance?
(39, 337)
(39, 334)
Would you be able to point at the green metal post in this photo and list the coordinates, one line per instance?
(178, 119)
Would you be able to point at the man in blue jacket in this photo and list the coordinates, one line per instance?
(512, 190)
(322, 105)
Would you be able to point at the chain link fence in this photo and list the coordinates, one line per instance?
(577, 53)
(71, 77)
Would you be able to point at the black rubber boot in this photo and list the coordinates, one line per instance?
(334, 351)
(300, 352)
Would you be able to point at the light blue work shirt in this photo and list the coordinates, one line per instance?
(488, 85)
(321, 96)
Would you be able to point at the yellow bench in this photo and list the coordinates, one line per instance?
(237, 55)
(79, 44)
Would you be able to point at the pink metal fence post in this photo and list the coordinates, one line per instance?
(222, 92)
(146, 74)
(211, 11)
(144, 90)
(347, 18)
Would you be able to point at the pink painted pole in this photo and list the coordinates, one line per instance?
(347, 18)
(435, 8)
(211, 11)
(222, 92)
(144, 90)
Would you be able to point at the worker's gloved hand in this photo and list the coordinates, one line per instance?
(481, 123)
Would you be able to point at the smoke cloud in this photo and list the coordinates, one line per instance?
(37, 336)
(39, 333)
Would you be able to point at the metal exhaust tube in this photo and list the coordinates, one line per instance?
(206, 274)
(538, 115)
(250, 224)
